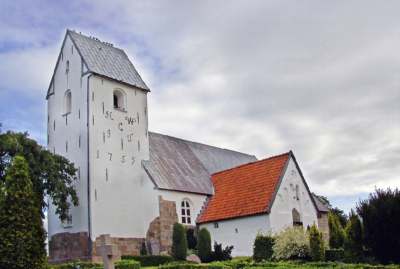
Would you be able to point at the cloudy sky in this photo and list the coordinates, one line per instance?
(321, 78)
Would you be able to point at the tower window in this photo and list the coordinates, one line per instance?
(297, 193)
(119, 100)
(185, 212)
(67, 67)
(67, 102)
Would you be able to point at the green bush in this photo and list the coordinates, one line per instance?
(127, 264)
(221, 254)
(291, 244)
(317, 249)
(151, 260)
(77, 264)
(353, 245)
(179, 243)
(336, 233)
(204, 245)
(194, 266)
(262, 247)
(334, 255)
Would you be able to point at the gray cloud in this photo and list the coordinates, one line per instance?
(321, 78)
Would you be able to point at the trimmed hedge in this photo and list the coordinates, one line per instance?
(194, 266)
(334, 254)
(262, 247)
(127, 264)
(151, 260)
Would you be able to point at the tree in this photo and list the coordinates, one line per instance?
(317, 248)
(204, 245)
(342, 217)
(336, 233)
(353, 240)
(51, 175)
(179, 243)
(222, 254)
(21, 229)
(262, 247)
(380, 215)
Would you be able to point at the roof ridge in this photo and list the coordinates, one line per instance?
(95, 39)
(199, 143)
(290, 153)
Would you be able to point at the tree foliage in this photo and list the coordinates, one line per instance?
(191, 238)
(291, 244)
(353, 239)
(222, 254)
(51, 175)
(204, 245)
(336, 233)
(21, 230)
(317, 248)
(262, 247)
(179, 242)
(380, 215)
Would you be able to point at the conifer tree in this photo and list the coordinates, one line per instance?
(353, 240)
(317, 249)
(336, 233)
(204, 245)
(21, 230)
(179, 242)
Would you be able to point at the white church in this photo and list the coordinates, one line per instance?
(134, 184)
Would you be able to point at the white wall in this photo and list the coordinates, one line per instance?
(123, 198)
(285, 201)
(239, 232)
(69, 132)
(196, 202)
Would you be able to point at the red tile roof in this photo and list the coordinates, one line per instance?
(244, 190)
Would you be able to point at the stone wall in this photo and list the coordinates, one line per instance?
(323, 225)
(126, 246)
(159, 234)
(68, 246)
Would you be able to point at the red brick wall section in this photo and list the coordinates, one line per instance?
(68, 246)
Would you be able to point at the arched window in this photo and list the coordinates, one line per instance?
(186, 212)
(67, 102)
(296, 218)
(119, 101)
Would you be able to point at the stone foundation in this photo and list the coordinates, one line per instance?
(159, 234)
(69, 246)
(126, 246)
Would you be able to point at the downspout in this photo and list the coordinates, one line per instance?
(88, 171)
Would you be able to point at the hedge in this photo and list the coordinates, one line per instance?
(334, 254)
(193, 266)
(151, 260)
(127, 264)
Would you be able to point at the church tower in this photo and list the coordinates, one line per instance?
(98, 119)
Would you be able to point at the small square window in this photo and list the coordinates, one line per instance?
(183, 220)
(216, 225)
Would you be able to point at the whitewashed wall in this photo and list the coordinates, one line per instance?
(123, 198)
(239, 232)
(285, 201)
(196, 202)
(72, 132)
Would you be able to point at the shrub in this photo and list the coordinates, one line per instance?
(317, 249)
(191, 238)
(291, 243)
(143, 249)
(220, 254)
(380, 215)
(127, 264)
(262, 247)
(21, 229)
(77, 264)
(334, 255)
(193, 266)
(353, 247)
(179, 243)
(336, 233)
(204, 245)
(151, 260)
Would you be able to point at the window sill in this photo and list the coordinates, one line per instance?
(120, 109)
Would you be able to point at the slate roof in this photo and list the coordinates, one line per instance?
(322, 207)
(245, 190)
(106, 60)
(181, 165)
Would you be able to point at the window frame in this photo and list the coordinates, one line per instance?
(186, 212)
(119, 100)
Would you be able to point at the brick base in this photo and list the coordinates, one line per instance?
(65, 247)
